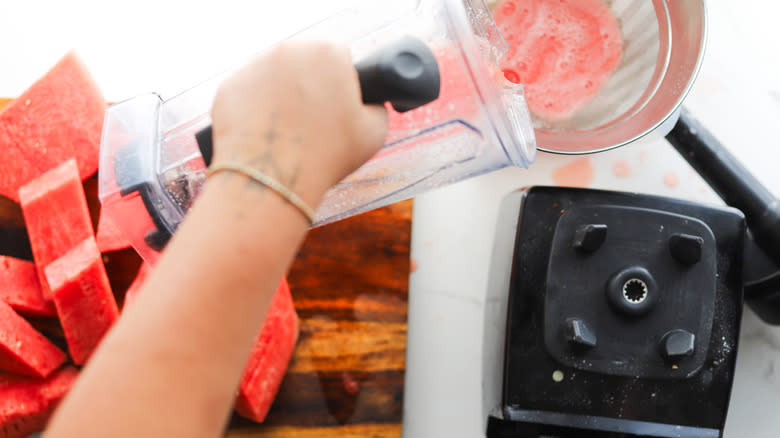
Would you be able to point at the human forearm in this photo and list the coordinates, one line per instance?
(198, 315)
(171, 365)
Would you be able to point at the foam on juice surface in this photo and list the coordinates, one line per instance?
(562, 50)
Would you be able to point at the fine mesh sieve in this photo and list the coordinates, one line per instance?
(663, 45)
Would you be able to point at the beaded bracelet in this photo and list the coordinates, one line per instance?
(267, 181)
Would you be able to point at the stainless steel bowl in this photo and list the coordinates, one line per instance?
(662, 52)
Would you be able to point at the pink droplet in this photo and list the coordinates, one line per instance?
(511, 76)
(671, 179)
(578, 173)
(351, 386)
(622, 169)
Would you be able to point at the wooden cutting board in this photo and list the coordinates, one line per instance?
(349, 283)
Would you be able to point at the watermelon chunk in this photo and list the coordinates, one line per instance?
(19, 287)
(269, 358)
(22, 349)
(56, 213)
(59, 117)
(82, 295)
(138, 283)
(26, 403)
(109, 237)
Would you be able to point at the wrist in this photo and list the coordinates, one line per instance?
(266, 182)
(253, 195)
(285, 160)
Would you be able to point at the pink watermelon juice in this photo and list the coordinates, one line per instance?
(457, 98)
(563, 51)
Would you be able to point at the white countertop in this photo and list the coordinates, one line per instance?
(737, 96)
(168, 45)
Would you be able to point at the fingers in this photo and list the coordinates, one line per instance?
(300, 104)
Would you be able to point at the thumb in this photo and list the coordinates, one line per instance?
(371, 130)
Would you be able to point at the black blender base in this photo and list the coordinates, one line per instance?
(623, 319)
(589, 427)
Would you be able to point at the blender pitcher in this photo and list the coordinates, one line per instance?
(151, 166)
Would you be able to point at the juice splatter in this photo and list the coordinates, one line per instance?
(578, 173)
(351, 386)
(622, 169)
(671, 179)
(562, 50)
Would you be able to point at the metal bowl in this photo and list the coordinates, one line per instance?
(662, 52)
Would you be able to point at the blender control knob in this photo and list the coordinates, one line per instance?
(578, 332)
(677, 344)
(685, 248)
(590, 237)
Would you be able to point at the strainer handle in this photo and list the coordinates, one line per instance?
(730, 180)
(740, 189)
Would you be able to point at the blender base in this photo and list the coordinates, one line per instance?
(577, 359)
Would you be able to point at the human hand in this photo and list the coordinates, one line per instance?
(296, 114)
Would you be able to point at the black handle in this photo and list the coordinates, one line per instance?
(730, 180)
(404, 73)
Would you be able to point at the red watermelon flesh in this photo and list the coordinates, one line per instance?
(59, 117)
(269, 358)
(82, 295)
(20, 288)
(109, 237)
(26, 403)
(22, 349)
(138, 283)
(56, 214)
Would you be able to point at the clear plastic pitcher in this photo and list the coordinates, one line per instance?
(151, 168)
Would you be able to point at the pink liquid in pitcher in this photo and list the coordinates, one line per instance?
(562, 50)
(456, 98)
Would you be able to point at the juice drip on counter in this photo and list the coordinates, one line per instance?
(562, 50)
